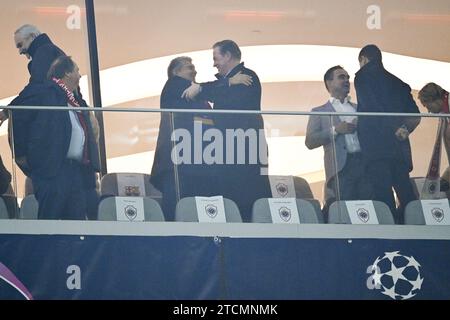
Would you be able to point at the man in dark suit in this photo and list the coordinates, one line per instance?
(58, 148)
(384, 139)
(242, 181)
(344, 169)
(176, 181)
(177, 178)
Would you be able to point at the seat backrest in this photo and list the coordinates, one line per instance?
(414, 213)
(29, 189)
(338, 213)
(29, 208)
(186, 210)
(302, 189)
(107, 210)
(3, 210)
(316, 205)
(11, 205)
(417, 184)
(306, 211)
(109, 185)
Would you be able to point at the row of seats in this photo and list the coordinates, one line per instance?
(186, 211)
(308, 210)
(109, 187)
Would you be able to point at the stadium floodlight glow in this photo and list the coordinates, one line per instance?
(273, 63)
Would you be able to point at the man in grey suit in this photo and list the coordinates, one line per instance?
(344, 168)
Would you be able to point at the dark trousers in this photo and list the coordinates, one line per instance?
(352, 182)
(236, 183)
(244, 186)
(92, 199)
(64, 196)
(386, 174)
(188, 185)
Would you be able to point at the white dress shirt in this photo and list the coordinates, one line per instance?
(77, 138)
(351, 139)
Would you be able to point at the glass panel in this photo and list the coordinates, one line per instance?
(8, 186)
(290, 69)
(60, 22)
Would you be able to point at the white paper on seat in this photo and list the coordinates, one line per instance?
(282, 187)
(210, 209)
(130, 209)
(419, 185)
(436, 212)
(131, 185)
(362, 212)
(283, 210)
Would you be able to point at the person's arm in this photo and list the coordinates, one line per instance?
(210, 90)
(407, 124)
(316, 136)
(411, 123)
(21, 119)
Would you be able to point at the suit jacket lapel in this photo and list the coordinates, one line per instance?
(329, 108)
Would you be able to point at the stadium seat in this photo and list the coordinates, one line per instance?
(338, 213)
(29, 208)
(107, 210)
(306, 211)
(11, 205)
(414, 213)
(186, 210)
(109, 185)
(3, 210)
(301, 186)
(417, 183)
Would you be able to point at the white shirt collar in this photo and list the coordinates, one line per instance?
(335, 100)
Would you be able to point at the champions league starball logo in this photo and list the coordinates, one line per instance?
(11, 279)
(397, 275)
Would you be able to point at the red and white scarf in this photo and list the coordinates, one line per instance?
(70, 96)
(74, 103)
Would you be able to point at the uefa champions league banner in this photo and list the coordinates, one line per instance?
(153, 267)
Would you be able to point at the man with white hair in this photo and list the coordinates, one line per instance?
(37, 47)
(41, 52)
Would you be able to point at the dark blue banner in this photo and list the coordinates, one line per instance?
(187, 267)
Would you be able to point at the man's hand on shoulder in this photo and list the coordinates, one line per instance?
(191, 92)
(240, 78)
